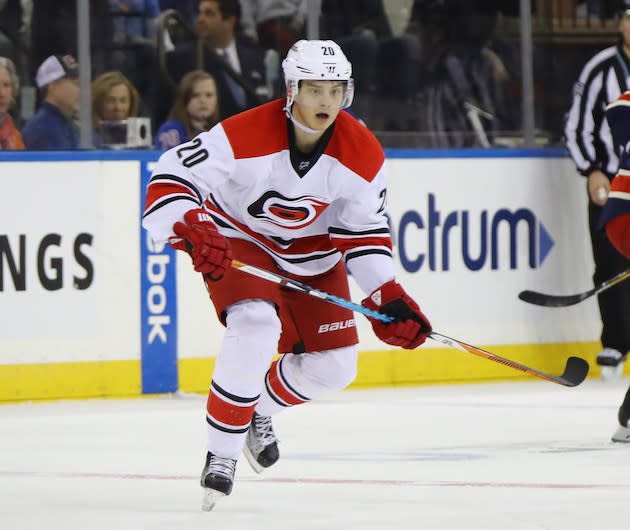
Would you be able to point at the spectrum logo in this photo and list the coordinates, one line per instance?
(495, 240)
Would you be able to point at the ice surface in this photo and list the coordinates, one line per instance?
(508, 456)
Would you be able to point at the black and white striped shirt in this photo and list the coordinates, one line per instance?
(587, 135)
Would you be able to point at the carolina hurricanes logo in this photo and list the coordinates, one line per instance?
(285, 212)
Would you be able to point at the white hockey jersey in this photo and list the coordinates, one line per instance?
(306, 211)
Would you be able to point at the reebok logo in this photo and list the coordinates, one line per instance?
(334, 326)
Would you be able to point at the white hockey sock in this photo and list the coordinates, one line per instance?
(249, 344)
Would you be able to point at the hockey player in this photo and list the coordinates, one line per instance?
(616, 214)
(295, 186)
(589, 142)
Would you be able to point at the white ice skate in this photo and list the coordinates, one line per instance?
(261, 445)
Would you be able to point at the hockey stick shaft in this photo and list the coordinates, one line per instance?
(551, 300)
(574, 373)
(303, 288)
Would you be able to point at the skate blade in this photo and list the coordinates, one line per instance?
(252, 460)
(622, 434)
(210, 498)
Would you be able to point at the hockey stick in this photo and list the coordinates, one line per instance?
(552, 300)
(574, 372)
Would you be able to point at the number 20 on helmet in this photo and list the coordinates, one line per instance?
(317, 60)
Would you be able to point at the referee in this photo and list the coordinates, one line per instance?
(589, 141)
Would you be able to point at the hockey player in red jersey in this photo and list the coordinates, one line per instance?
(295, 186)
(616, 214)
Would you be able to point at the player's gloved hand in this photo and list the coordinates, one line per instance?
(198, 235)
(410, 327)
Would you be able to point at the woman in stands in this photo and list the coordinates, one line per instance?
(10, 137)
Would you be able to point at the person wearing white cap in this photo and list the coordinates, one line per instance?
(54, 125)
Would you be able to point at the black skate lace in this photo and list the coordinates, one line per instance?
(222, 466)
(264, 430)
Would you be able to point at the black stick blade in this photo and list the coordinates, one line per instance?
(575, 371)
(551, 300)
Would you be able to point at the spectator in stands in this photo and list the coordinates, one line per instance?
(234, 60)
(134, 24)
(196, 109)
(275, 24)
(54, 31)
(114, 98)
(385, 67)
(14, 27)
(10, 137)
(134, 20)
(464, 80)
(54, 124)
(187, 8)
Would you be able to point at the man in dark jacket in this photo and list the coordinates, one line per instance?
(54, 124)
(234, 60)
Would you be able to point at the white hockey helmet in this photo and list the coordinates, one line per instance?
(317, 60)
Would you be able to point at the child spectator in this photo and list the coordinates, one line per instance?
(196, 109)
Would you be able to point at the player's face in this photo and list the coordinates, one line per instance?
(6, 90)
(117, 103)
(211, 25)
(318, 102)
(203, 100)
(65, 94)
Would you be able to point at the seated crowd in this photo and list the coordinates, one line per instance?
(228, 63)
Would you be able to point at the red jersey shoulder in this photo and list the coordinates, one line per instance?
(259, 131)
(355, 147)
(622, 100)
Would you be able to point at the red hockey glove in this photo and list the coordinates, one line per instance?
(410, 327)
(198, 235)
